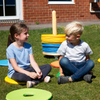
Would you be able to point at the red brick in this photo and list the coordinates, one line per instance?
(39, 10)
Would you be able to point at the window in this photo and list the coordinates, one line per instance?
(11, 9)
(61, 2)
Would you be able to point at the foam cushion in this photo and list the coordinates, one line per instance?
(4, 62)
(29, 94)
(99, 60)
(11, 81)
(58, 74)
(50, 38)
(55, 64)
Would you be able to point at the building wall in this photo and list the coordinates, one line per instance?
(40, 11)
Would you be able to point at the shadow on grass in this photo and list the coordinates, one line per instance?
(50, 57)
(51, 76)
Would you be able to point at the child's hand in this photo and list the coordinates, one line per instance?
(39, 74)
(33, 75)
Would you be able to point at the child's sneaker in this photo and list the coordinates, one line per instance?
(47, 79)
(63, 79)
(87, 78)
(29, 84)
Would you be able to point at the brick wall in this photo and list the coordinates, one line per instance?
(40, 11)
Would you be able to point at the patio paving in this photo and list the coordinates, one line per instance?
(41, 26)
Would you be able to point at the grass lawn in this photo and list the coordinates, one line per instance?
(80, 90)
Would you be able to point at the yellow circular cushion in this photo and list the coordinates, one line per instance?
(51, 35)
(50, 38)
(99, 60)
(11, 81)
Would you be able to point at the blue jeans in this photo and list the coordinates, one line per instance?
(75, 69)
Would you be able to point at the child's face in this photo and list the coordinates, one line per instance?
(71, 38)
(24, 35)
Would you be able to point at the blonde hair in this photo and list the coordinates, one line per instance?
(74, 28)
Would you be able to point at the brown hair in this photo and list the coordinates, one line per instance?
(15, 28)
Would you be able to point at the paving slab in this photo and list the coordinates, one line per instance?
(41, 26)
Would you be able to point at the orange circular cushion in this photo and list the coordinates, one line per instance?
(55, 64)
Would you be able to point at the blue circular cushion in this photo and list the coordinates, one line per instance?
(50, 48)
(4, 62)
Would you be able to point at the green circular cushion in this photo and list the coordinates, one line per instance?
(29, 94)
(58, 74)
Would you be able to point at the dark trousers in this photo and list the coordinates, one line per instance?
(45, 69)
